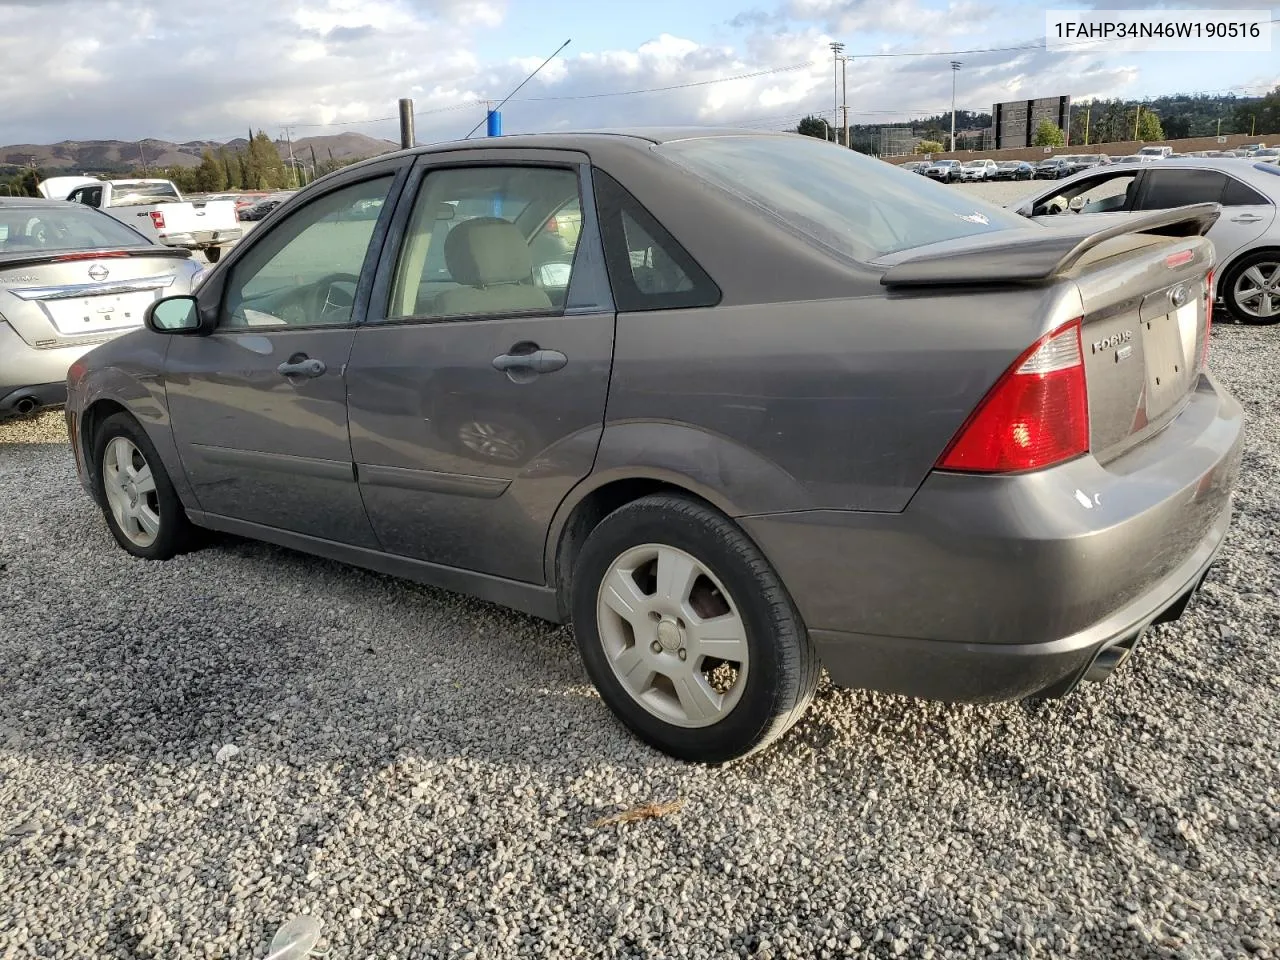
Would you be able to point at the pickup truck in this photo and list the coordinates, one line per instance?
(157, 209)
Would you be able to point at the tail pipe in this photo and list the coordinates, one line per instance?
(26, 405)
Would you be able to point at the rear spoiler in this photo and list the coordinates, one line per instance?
(33, 258)
(1031, 255)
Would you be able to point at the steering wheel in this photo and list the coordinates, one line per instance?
(327, 299)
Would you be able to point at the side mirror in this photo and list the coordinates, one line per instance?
(1077, 204)
(174, 315)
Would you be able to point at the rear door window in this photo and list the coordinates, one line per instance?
(1167, 187)
(1240, 194)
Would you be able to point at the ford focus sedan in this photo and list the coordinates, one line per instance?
(769, 407)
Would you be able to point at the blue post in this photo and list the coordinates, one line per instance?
(495, 123)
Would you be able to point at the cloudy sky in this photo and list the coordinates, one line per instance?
(127, 69)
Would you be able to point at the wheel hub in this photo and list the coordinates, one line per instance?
(669, 635)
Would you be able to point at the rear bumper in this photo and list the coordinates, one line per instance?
(202, 238)
(25, 400)
(994, 588)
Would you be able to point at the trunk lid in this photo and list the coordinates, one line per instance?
(79, 298)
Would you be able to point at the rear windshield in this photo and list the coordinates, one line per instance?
(61, 227)
(858, 206)
(131, 194)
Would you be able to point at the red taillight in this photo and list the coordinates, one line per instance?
(1208, 319)
(1179, 258)
(1036, 415)
(157, 219)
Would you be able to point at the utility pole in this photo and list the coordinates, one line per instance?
(1253, 123)
(1137, 115)
(407, 139)
(143, 155)
(293, 163)
(1219, 126)
(844, 98)
(1087, 111)
(837, 48)
(955, 68)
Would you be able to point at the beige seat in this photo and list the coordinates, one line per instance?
(491, 260)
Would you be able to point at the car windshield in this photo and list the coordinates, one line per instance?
(972, 164)
(841, 199)
(132, 194)
(1008, 164)
(62, 227)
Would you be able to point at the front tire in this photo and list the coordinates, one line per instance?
(687, 633)
(142, 509)
(1251, 288)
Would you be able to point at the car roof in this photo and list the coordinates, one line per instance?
(34, 203)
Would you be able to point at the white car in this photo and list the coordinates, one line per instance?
(1246, 237)
(978, 170)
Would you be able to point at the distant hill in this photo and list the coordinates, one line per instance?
(121, 156)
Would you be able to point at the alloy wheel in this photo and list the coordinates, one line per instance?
(1257, 291)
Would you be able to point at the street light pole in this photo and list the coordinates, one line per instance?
(844, 99)
(955, 68)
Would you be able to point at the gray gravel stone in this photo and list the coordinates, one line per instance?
(434, 797)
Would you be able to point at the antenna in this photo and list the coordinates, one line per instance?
(521, 84)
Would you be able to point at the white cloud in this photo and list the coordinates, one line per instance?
(164, 72)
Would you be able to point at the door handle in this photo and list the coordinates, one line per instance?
(1246, 218)
(538, 361)
(300, 365)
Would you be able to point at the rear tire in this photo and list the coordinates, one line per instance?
(687, 633)
(1250, 286)
(142, 509)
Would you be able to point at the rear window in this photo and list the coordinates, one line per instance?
(132, 194)
(61, 227)
(844, 200)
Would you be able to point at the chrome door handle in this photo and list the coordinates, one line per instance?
(300, 365)
(1246, 218)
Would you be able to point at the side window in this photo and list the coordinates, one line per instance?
(77, 196)
(1108, 193)
(1175, 188)
(304, 270)
(488, 241)
(92, 197)
(1241, 195)
(648, 269)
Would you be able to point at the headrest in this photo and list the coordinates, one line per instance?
(486, 251)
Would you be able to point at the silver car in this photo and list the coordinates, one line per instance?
(71, 278)
(1246, 236)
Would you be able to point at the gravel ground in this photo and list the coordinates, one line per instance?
(422, 772)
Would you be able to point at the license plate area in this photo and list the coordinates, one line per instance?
(73, 317)
(1169, 346)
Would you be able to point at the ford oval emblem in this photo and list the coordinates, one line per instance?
(98, 272)
(1178, 296)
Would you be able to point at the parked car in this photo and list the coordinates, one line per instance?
(156, 208)
(982, 170)
(915, 166)
(1246, 236)
(948, 171)
(963, 511)
(1054, 168)
(1155, 152)
(1267, 155)
(71, 278)
(261, 208)
(1013, 170)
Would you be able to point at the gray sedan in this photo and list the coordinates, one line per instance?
(1247, 235)
(739, 406)
(71, 278)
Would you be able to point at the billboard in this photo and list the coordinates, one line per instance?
(1014, 122)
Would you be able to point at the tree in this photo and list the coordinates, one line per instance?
(1259, 116)
(1149, 127)
(210, 176)
(266, 169)
(231, 164)
(1048, 134)
(812, 126)
(929, 146)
